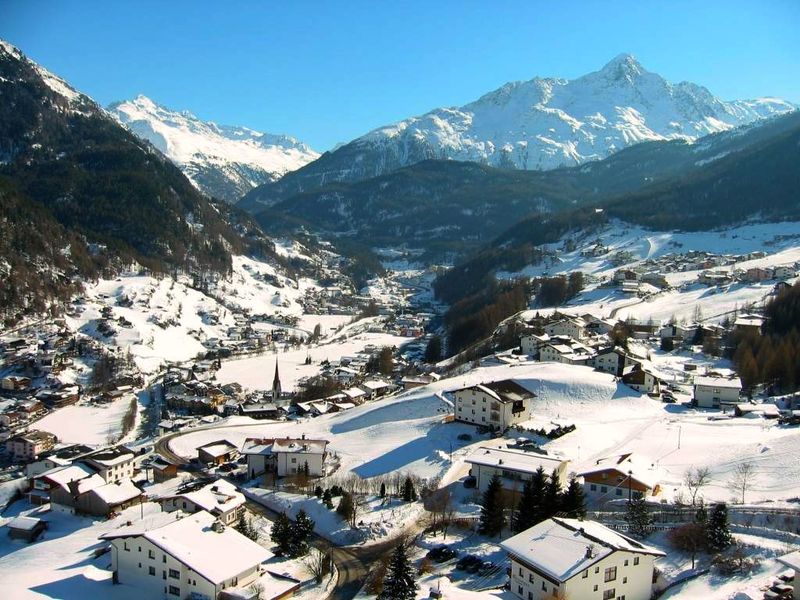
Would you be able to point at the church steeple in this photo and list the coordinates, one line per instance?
(276, 383)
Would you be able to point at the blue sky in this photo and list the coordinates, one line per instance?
(327, 72)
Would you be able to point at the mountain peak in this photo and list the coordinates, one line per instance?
(623, 66)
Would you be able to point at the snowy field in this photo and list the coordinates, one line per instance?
(85, 424)
(257, 372)
(406, 433)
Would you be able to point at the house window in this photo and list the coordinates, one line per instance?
(163, 558)
(174, 574)
(585, 574)
(635, 560)
(174, 591)
(593, 487)
(294, 459)
(544, 587)
(125, 546)
(609, 594)
(626, 562)
(530, 595)
(151, 571)
(596, 570)
(619, 492)
(624, 580)
(151, 554)
(595, 588)
(520, 571)
(140, 565)
(519, 590)
(611, 574)
(603, 489)
(530, 577)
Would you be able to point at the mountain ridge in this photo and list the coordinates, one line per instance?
(223, 161)
(539, 124)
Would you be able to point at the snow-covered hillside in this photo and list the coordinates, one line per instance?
(548, 123)
(222, 161)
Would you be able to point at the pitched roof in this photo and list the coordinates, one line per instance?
(719, 382)
(219, 495)
(640, 469)
(513, 460)
(215, 555)
(117, 493)
(562, 548)
(791, 560)
(505, 390)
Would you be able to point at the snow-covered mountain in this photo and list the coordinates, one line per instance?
(538, 124)
(223, 161)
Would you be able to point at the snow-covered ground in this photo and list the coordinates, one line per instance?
(256, 372)
(406, 433)
(87, 424)
(781, 241)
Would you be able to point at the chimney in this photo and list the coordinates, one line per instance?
(218, 527)
(589, 550)
(303, 436)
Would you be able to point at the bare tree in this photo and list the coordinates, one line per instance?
(695, 480)
(319, 563)
(438, 503)
(741, 480)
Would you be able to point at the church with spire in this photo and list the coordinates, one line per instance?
(276, 383)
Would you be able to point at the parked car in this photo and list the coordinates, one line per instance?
(441, 554)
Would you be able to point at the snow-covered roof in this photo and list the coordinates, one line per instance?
(215, 555)
(513, 460)
(791, 560)
(117, 493)
(217, 449)
(63, 475)
(110, 457)
(563, 548)
(374, 385)
(301, 445)
(354, 392)
(24, 523)
(217, 496)
(719, 382)
(641, 470)
(505, 390)
(257, 446)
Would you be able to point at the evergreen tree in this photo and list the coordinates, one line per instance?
(318, 491)
(281, 534)
(246, 528)
(433, 351)
(327, 499)
(346, 507)
(719, 534)
(539, 485)
(526, 509)
(574, 500)
(638, 517)
(383, 489)
(551, 504)
(399, 583)
(301, 531)
(492, 510)
(409, 493)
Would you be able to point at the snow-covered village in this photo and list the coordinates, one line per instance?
(543, 346)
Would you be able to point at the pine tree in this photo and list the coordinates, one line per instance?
(551, 504)
(574, 500)
(301, 531)
(638, 517)
(346, 507)
(409, 493)
(327, 499)
(383, 489)
(281, 534)
(526, 509)
(492, 509)
(399, 583)
(719, 534)
(318, 491)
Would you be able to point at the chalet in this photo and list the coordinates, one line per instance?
(414, 381)
(784, 272)
(565, 350)
(620, 477)
(261, 410)
(220, 498)
(354, 394)
(641, 379)
(345, 375)
(93, 496)
(26, 528)
(758, 274)
(376, 388)
(163, 470)
(112, 464)
(286, 456)
(612, 360)
(514, 467)
(195, 556)
(626, 275)
(28, 446)
(572, 327)
(15, 383)
(44, 483)
(714, 277)
(598, 325)
(498, 404)
(712, 392)
(217, 453)
(748, 324)
(532, 344)
(568, 558)
(64, 396)
(767, 411)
